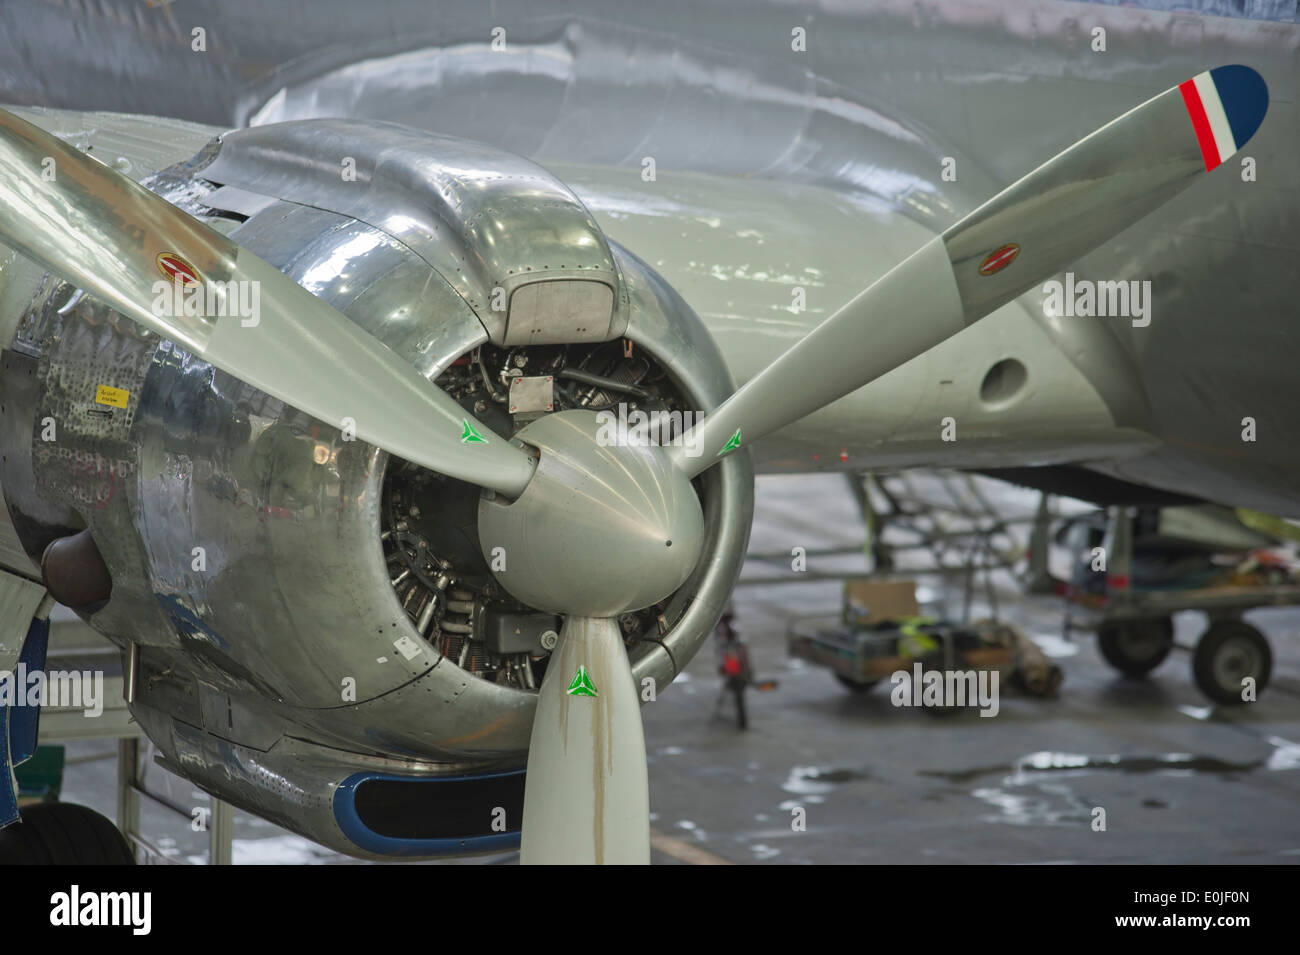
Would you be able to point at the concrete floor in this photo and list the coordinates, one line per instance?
(1179, 780)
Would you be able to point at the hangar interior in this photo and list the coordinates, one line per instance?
(877, 783)
(738, 431)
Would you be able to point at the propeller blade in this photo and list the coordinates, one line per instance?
(1028, 232)
(587, 796)
(116, 239)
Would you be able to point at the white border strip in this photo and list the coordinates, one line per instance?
(1215, 114)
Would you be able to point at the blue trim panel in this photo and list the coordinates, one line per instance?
(8, 795)
(25, 723)
(18, 721)
(345, 814)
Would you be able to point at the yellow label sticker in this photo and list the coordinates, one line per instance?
(108, 395)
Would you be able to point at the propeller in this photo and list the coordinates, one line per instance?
(118, 240)
(1029, 231)
(587, 795)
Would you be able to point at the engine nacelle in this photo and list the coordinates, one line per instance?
(313, 622)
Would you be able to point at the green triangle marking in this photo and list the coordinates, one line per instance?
(469, 435)
(582, 685)
(732, 444)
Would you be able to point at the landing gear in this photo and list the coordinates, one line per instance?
(1136, 647)
(59, 833)
(1230, 652)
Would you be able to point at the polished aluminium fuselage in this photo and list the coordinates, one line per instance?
(829, 157)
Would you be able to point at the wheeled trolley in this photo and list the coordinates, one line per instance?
(1232, 660)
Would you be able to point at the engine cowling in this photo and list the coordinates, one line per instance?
(306, 610)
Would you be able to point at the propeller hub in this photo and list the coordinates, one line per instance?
(600, 529)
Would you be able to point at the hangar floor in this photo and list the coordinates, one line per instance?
(1180, 781)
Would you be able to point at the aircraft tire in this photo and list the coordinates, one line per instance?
(1229, 652)
(1136, 647)
(57, 833)
(856, 686)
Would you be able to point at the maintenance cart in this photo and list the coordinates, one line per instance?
(881, 632)
(1232, 660)
(859, 658)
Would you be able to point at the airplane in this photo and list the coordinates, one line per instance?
(311, 416)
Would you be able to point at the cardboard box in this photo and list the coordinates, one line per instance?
(878, 601)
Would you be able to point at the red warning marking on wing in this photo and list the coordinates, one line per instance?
(176, 269)
(999, 259)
